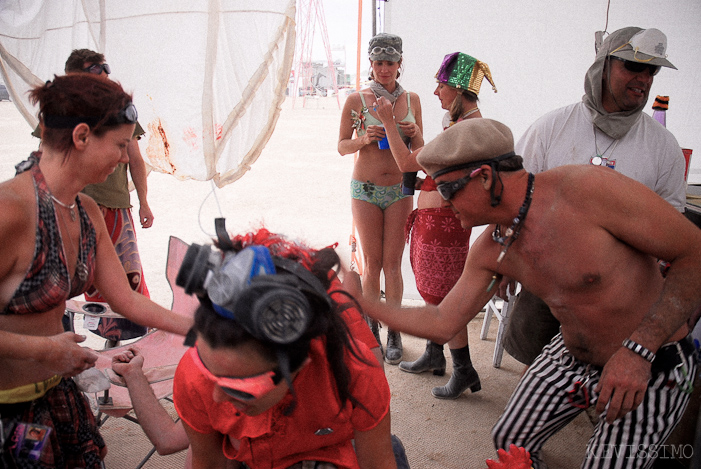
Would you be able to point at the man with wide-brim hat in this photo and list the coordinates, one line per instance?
(586, 239)
(608, 128)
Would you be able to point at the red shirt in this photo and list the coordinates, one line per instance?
(273, 440)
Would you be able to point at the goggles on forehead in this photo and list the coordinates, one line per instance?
(246, 389)
(97, 69)
(637, 67)
(389, 49)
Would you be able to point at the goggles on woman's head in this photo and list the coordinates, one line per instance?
(128, 115)
(246, 389)
(389, 49)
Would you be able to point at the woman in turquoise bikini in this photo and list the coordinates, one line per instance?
(379, 208)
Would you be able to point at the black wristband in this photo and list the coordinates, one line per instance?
(639, 349)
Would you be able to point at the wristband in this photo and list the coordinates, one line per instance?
(639, 349)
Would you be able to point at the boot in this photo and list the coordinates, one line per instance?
(393, 354)
(464, 376)
(431, 360)
(375, 328)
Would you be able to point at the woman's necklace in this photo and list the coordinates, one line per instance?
(81, 270)
(469, 113)
(508, 238)
(464, 116)
(70, 207)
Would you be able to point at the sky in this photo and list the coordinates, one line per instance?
(342, 27)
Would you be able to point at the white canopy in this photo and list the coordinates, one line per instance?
(208, 76)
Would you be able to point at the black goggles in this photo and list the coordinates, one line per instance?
(448, 189)
(637, 67)
(98, 68)
(128, 115)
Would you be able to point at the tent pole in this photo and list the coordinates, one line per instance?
(355, 259)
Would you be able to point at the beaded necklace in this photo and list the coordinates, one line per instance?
(508, 238)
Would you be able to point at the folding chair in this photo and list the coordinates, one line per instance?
(161, 350)
(501, 311)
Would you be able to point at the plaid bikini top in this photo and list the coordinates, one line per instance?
(47, 283)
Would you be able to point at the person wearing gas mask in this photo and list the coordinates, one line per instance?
(278, 376)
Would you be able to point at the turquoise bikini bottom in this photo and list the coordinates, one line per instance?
(382, 196)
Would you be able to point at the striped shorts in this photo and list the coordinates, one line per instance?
(540, 407)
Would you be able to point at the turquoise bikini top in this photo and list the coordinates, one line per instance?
(372, 120)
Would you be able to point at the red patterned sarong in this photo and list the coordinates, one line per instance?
(120, 226)
(438, 251)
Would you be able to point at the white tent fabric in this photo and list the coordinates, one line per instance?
(539, 52)
(208, 76)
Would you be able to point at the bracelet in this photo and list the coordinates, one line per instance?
(639, 349)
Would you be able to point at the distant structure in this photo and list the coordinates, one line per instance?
(307, 77)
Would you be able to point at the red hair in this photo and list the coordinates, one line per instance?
(77, 95)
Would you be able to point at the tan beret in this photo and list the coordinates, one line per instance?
(472, 141)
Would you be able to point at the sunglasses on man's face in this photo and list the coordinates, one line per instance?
(637, 67)
(97, 69)
(448, 189)
(246, 389)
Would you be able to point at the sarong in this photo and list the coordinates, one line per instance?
(120, 226)
(437, 252)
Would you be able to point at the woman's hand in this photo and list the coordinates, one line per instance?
(410, 129)
(384, 110)
(65, 357)
(374, 134)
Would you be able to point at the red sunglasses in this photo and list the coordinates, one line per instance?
(244, 389)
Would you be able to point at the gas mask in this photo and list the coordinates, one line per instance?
(273, 298)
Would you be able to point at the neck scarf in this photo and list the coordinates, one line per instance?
(613, 124)
(380, 90)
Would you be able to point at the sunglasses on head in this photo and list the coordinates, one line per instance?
(128, 115)
(246, 389)
(98, 68)
(389, 49)
(448, 189)
(637, 67)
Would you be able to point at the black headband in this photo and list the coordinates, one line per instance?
(471, 164)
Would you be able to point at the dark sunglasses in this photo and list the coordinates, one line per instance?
(447, 190)
(128, 115)
(637, 67)
(98, 68)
